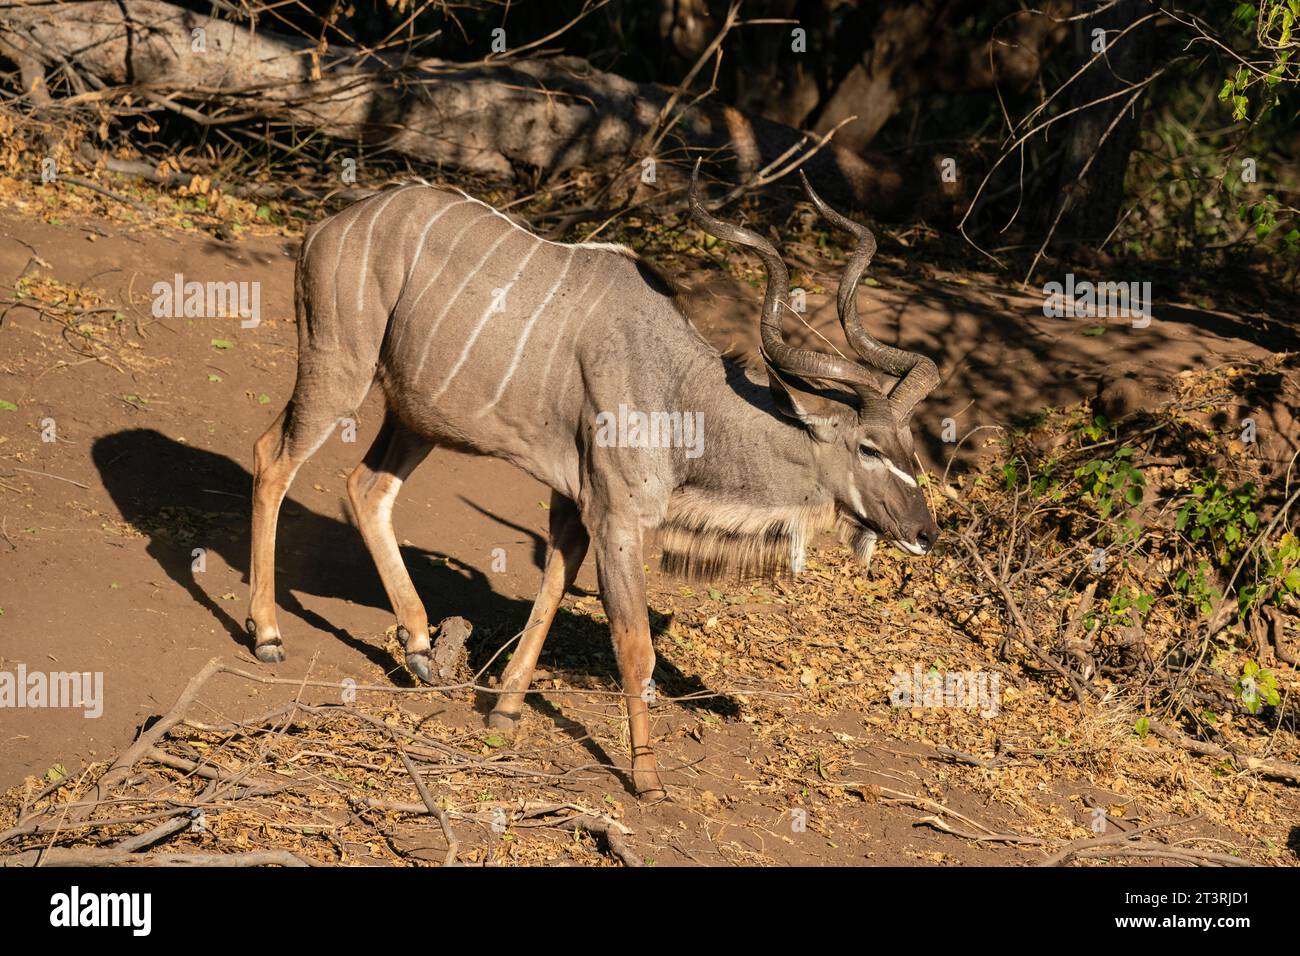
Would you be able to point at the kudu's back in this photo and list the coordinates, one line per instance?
(482, 335)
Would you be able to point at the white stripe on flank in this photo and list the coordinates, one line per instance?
(419, 246)
(400, 336)
(487, 313)
(523, 338)
(306, 246)
(320, 227)
(451, 300)
(362, 283)
(559, 336)
(447, 261)
(611, 246)
(338, 258)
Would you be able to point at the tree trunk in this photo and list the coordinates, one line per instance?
(874, 88)
(1099, 139)
(915, 47)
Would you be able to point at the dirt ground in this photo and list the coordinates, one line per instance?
(151, 461)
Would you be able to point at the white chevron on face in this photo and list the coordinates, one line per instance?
(883, 462)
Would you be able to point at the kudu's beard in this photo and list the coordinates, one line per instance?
(704, 539)
(861, 540)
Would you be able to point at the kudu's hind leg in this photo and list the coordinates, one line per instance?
(569, 543)
(292, 438)
(373, 488)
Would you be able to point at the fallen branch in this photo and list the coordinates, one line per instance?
(492, 118)
(62, 856)
(1127, 844)
(1273, 768)
(122, 767)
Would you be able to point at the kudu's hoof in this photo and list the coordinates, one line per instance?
(652, 796)
(271, 652)
(421, 665)
(268, 652)
(648, 787)
(500, 720)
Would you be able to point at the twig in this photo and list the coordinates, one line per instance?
(609, 830)
(1081, 690)
(452, 843)
(63, 856)
(979, 837)
(96, 188)
(46, 474)
(121, 768)
(1124, 844)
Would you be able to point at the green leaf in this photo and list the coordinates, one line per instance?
(222, 344)
(1142, 727)
(7, 406)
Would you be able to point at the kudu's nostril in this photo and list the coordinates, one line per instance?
(925, 539)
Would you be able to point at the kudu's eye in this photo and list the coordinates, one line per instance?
(868, 453)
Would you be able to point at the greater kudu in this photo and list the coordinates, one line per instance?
(489, 339)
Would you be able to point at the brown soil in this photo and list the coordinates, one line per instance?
(152, 460)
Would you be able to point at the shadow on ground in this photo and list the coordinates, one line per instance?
(195, 498)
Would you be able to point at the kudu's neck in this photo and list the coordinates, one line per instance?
(750, 503)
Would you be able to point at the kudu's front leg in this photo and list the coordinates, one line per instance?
(621, 570)
(569, 543)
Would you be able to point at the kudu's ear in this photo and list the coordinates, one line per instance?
(822, 416)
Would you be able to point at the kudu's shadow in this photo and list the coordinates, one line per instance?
(183, 498)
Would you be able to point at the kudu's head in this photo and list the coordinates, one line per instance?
(863, 448)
